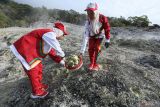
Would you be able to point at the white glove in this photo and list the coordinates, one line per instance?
(62, 62)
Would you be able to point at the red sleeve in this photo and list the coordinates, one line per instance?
(106, 26)
(55, 57)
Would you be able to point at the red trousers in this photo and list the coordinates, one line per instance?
(94, 49)
(35, 77)
(35, 74)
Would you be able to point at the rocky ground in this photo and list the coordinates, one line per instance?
(130, 76)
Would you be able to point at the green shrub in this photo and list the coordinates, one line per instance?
(4, 20)
(15, 14)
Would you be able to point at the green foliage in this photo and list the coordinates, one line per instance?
(70, 16)
(20, 10)
(14, 14)
(115, 22)
(4, 20)
(141, 21)
(4, 1)
(136, 21)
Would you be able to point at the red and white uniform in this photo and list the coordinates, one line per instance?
(33, 47)
(37, 45)
(103, 25)
(95, 30)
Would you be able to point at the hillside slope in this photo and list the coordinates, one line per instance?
(130, 76)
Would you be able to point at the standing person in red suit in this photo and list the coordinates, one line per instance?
(96, 28)
(31, 48)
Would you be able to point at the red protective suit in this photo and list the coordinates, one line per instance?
(95, 42)
(30, 47)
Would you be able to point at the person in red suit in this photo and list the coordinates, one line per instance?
(32, 47)
(96, 28)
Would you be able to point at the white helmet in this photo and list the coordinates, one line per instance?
(92, 6)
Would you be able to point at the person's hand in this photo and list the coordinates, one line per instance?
(80, 55)
(107, 44)
(63, 62)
